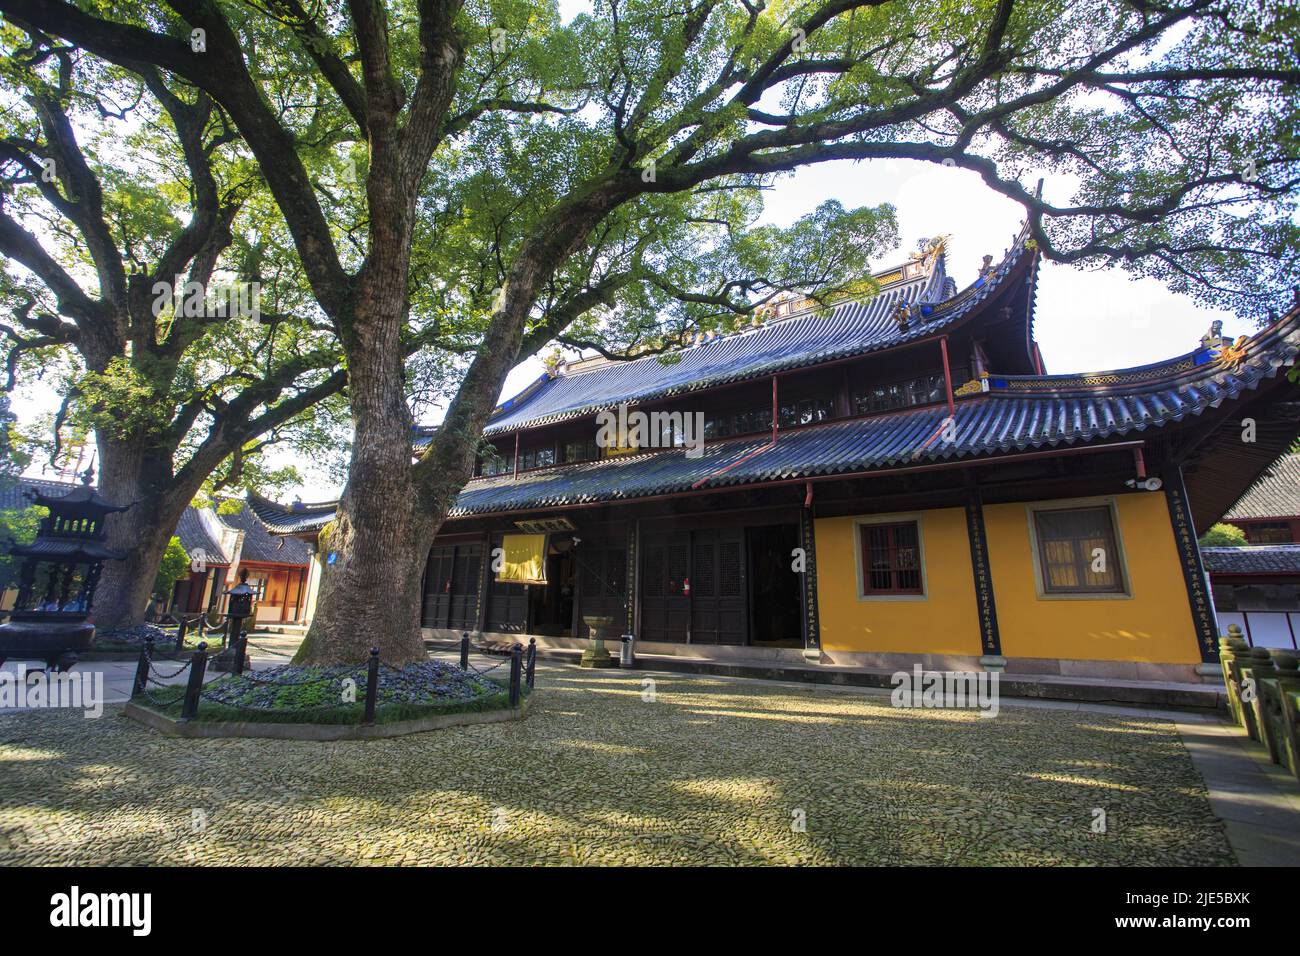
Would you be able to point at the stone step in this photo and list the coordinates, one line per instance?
(1163, 695)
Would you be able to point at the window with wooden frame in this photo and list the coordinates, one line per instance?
(1077, 551)
(891, 558)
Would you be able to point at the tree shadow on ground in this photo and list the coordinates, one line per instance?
(702, 771)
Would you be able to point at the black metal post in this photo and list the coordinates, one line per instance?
(464, 651)
(372, 685)
(142, 668)
(232, 632)
(241, 649)
(198, 664)
(180, 634)
(532, 661)
(516, 661)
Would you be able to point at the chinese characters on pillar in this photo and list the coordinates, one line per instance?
(990, 642)
(811, 626)
(1189, 556)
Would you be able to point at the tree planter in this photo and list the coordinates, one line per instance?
(200, 729)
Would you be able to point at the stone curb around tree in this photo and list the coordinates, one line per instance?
(209, 730)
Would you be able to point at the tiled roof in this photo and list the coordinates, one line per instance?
(296, 518)
(13, 495)
(1275, 494)
(1049, 411)
(261, 545)
(68, 549)
(1016, 414)
(200, 531)
(853, 328)
(1253, 559)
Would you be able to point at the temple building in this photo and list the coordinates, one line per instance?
(280, 568)
(1257, 585)
(885, 482)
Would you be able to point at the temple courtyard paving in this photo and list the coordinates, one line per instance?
(608, 769)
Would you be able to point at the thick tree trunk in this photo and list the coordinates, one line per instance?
(122, 597)
(369, 596)
(391, 511)
(142, 532)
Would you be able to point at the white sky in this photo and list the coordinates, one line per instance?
(1086, 320)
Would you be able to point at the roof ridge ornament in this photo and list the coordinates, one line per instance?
(902, 314)
(975, 386)
(930, 250)
(1232, 355)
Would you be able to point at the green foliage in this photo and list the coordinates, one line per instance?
(17, 526)
(1223, 535)
(13, 458)
(614, 167)
(138, 373)
(324, 535)
(175, 564)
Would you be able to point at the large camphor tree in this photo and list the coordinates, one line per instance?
(117, 190)
(532, 181)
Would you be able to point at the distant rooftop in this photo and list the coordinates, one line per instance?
(13, 495)
(1276, 493)
(1253, 559)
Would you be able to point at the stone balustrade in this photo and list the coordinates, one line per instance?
(1263, 687)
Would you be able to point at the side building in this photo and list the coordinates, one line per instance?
(896, 481)
(280, 569)
(1257, 586)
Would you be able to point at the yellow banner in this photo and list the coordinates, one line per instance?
(524, 559)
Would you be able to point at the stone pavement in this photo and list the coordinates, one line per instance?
(272, 649)
(640, 767)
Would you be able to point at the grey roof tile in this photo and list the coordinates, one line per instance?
(1275, 494)
(1253, 559)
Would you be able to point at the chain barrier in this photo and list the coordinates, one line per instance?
(155, 656)
(155, 678)
(176, 673)
(154, 700)
(483, 672)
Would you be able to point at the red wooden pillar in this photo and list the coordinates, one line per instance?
(947, 373)
(774, 410)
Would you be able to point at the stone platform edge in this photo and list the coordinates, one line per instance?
(215, 730)
(1153, 694)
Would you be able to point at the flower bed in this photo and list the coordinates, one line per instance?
(130, 638)
(323, 695)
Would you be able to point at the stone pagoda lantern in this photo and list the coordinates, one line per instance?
(56, 586)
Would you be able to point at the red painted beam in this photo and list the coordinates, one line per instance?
(774, 413)
(947, 373)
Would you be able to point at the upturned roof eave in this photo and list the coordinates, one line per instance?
(1015, 265)
(1265, 356)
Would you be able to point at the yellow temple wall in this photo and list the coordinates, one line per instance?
(1151, 622)
(943, 621)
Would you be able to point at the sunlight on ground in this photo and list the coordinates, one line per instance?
(707, 772)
